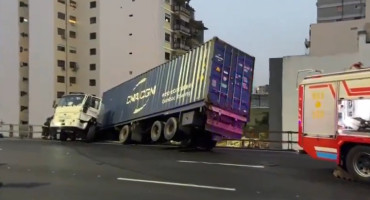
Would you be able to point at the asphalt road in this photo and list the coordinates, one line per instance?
(52, 170)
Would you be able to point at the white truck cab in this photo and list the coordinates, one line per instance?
(76, 116)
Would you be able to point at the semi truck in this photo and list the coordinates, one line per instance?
(334, 121)
(76, 116)
(195, 99)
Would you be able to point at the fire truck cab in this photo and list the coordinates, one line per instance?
(334, 120)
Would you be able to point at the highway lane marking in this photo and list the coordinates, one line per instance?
(222, 164)
(177, 184)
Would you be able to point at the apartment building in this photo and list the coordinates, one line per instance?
(89, 46)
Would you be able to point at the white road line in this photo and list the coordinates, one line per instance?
(223, 164)
(177, 184)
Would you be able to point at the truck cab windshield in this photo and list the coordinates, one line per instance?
(71, 100)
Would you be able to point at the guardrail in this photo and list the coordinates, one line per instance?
(21, 131)
(288, 141)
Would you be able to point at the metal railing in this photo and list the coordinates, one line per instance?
(21, 131)
(288, 140)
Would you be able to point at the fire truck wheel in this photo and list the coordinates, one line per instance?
(125, 135)
(358, 163)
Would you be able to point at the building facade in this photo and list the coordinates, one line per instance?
(89, 46)
(340, 10)
(335, 46)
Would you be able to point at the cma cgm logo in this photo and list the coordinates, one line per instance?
(141, 97)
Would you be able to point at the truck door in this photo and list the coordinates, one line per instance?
(320, 111)
(93, 107)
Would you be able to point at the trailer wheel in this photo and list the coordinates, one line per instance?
(170, 128)
(125, 135)
(358, 163)
(156, 133)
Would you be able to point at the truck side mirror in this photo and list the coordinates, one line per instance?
(85, 107)
(54, 104)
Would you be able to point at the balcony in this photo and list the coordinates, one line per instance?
(180, 46)
(181, 10)
(181, 28)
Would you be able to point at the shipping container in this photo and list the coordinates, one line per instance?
(208, 88)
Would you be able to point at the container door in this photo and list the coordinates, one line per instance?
(231, 79)
(320, 110)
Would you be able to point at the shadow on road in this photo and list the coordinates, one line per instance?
(23, 185)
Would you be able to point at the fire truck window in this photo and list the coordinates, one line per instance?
(354, 116)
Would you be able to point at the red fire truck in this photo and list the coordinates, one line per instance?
(334, 121)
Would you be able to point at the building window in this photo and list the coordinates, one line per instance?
(167, 18)
(60, 79)
(72, 50)
(62, 32)
(23, 108)
(25, 79)
(61, 63)
(130, 53)
(72, 80)
(72, 19)
(93, 4)
(92, 67)
(93, 51)
(167, 37)
(167, 56)
(24, 64)
(131, 15)
(23, 93)
(23, 34)
(73, 4)
(62, 1)
(22, 4)
(92, 20)
(61, 48)
(130, 34)
(60, 94)
(92, 82)
(72, 34)
(61, 16)
(22, 19)
(92, 36)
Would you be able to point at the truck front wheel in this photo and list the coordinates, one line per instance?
(63, 136)
(90, 135)
(358, 163)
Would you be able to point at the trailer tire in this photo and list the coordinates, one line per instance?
(91, 132)
(156, 132)
(358, 163)
(125, 135)
(170, 128)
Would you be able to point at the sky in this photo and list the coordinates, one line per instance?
(262, 28)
